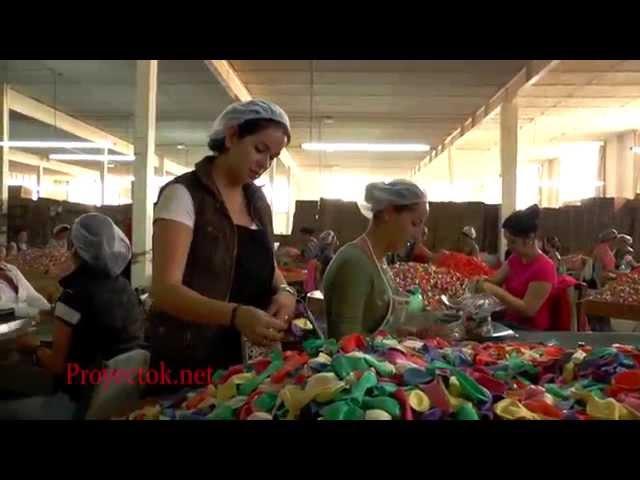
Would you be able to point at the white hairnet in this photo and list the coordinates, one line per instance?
(59, 228)
(240, 112)
(626, 239)
(327, 237)
(470, 232)
(100, 243)
(380, 195)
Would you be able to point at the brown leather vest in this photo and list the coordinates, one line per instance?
(210, 265)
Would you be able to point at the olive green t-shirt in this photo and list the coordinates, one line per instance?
(356, 298)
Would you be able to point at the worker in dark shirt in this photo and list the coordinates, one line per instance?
(97, 318)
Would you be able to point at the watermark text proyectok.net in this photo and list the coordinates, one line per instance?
(137, 376)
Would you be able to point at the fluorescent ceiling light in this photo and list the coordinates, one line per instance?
(96, 157)
(366, 147)
(53, 144)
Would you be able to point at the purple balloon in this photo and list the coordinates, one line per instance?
(433, 414)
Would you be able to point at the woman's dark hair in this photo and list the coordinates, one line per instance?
(553, 241)
(246, 128)
(523, 223)
(307, 231)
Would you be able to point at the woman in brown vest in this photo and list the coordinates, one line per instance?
(214, 272)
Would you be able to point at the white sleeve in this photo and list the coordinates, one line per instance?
(32, 298)
(176, 204)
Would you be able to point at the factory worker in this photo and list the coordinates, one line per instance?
(468, 245)
(59, 237)
(97, 317)
(217, 291)
(16, 292)
(358, 287)
(524, 282)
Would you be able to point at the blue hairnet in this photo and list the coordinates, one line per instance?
(100, 243)
(240, 112)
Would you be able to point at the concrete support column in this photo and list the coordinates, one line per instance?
(40, 181)
(103, 178)
(4, 162)
(508, 162)
(144, 151)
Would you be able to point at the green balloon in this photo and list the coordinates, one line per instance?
(466, 412)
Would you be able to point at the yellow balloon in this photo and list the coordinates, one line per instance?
(419, 401)
(376, 414)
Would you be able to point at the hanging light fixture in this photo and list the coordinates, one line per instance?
(89, 157)
(55, 144)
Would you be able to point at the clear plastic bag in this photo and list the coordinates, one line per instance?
(476, 310)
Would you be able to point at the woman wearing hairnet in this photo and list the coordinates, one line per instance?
(97, 318)
(214, 273)
(358, 288)
(468, 245)
(59, 237)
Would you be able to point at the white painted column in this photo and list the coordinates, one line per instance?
(454, 193)
(144, 151)
(292, 202)
(103, 178)
(4, 162)
(508, 163)
(40, 181)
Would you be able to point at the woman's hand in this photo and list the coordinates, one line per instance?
(259, 327)
(283, 306)
(485, 286)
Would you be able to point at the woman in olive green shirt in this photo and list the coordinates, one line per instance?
(358, 288)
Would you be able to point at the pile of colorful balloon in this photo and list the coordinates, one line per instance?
(385, 378)
(433, 282)
(464, 265)
(41, 260)
(625, 289)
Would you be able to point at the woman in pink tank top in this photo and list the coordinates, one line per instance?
(524, 282)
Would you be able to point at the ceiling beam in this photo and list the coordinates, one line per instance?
(37, 110)
(527, 76)
(229, 79)
(25, 158)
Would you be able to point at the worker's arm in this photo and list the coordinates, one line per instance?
(55, 360)
(32, 298)
(499, 277)
(52, 360)
(346, 293)
(283, 304)
(538, 290)
(171, 243)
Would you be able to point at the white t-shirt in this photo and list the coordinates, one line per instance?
(176, 204)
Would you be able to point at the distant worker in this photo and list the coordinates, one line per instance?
(420, 253)
(310, 245)
(624, 254)
(604, 262)
(59, 238)
(23, 240)
(551, 248)
(468, 245)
